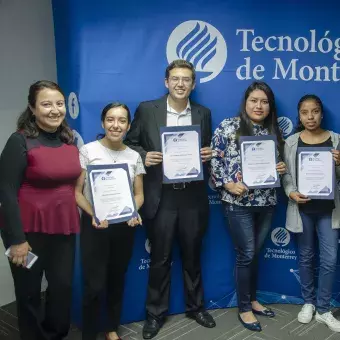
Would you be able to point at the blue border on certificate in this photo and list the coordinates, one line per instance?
(123, 166)
(258, 139)
(316, 149)
(185, 128)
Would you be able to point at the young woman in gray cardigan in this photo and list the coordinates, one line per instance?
(305, 215)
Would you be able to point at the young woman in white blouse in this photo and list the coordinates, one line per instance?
(106, 250)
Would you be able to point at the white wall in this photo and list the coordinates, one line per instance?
(27, 54)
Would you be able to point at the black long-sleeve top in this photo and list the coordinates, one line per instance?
(13, 164)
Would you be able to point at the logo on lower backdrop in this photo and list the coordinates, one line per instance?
(286, 126)
(211, 184)
(148, 245)
(280, 237)
(73, 105)
(78, 140)
(201, 44)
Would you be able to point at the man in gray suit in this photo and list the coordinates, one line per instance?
(171, 210)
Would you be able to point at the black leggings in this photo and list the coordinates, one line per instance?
(105, 258)
(55, 260)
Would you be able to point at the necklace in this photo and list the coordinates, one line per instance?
(113, 154)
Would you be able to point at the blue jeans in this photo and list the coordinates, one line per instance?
(328, 244)
(248, 227)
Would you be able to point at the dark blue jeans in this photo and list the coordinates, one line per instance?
(248, 227)
(328, 244)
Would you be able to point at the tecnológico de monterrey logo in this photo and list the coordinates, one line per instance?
(201, 44)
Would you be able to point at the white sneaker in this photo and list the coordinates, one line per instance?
(306, 313)
(328, 319)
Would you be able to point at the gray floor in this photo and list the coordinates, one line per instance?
(284, 326)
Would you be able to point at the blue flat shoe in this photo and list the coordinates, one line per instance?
(266, 312)
(252, 326)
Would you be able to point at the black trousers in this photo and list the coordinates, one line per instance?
(105, 258)
(56, 260)
(183, 214)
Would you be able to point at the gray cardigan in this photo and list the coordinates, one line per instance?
(293, 218)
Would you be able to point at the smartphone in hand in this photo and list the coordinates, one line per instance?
(31, 258)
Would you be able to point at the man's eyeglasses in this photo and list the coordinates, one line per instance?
(184, 80)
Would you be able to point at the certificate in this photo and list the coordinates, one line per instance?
(111, 192)
(181, 153)
(316, 172)
(258, 159)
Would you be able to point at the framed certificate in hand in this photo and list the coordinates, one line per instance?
(181, 147)
(258, 159)
(111, 192)
(316, 172)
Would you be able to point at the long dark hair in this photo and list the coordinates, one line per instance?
(26, 121)
(107, 108)
(246, 126)
(299, 125)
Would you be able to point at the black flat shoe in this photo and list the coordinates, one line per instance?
(203, 318)
(266, 312)
(151, 328)
(252, 326)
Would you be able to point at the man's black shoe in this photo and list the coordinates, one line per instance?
(203, 318)
(151, 327)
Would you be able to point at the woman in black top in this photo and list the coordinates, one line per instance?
(39, 166)
(305, 216)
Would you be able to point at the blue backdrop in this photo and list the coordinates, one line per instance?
(118, 50)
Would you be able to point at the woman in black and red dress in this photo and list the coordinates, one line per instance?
(39, 167)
